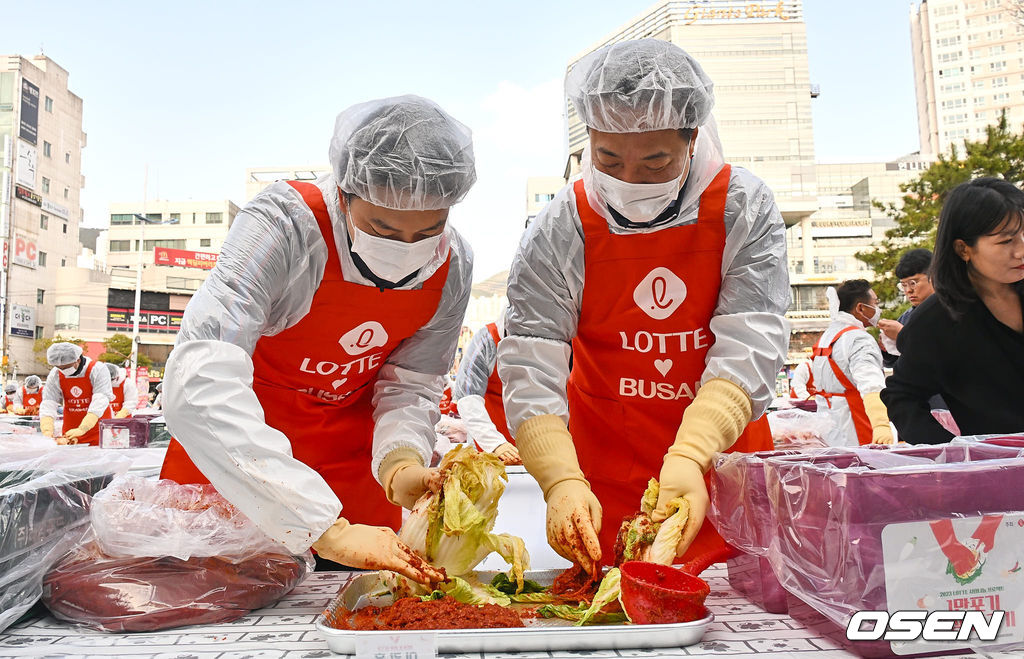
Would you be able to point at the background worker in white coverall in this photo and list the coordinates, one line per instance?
(126, 394)
(28, 397)
(663, 271)
(847, 369)
(478, 393)
(309, 367)
(82, 386)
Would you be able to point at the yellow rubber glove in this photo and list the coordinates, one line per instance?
(881, 433)
(122, 413)
(87, 424)
(46, 425)
(374, 548)
(573, 512)
(10, 408)
(711, 423)
(508, 454)
(20, 411)
(405, 479)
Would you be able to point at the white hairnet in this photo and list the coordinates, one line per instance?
(404, 153)
(10, 388)
(33, 382)
(113, 370)
(59, 354)
(639, 86)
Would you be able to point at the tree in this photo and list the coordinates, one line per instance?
(42, 345)
(1016, 8)
(118, 350)
(1000, 154)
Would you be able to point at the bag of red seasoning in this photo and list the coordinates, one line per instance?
(159, 555)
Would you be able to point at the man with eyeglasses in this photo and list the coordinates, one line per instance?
(912, 271)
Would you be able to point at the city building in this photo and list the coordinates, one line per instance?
(41, 139)
(539, 191)
(756, 54)
(968, 69)
(258, 178)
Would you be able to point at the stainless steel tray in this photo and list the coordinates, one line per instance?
(538, 635)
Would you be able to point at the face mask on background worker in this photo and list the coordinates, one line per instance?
(396, 202)
(873, 319)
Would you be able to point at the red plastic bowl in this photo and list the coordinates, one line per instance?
(655, 594)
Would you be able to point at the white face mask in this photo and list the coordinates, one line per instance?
(873, 321)
(69, 371)
(637, 202)
(393, 260)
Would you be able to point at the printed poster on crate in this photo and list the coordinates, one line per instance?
(959, 564)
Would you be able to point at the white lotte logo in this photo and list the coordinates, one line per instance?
(76, 391)
(367, 336)
(660, 293)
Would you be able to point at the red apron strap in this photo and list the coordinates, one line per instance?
(315, 200)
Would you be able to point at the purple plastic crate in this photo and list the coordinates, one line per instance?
(830, 510)
(124, 433)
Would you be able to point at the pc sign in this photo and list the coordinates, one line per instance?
(950, 583)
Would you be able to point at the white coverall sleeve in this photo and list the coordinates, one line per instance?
(52, 395)
(131, 395)
(545, 287)
(407, 395)
(269, 267)
(102, 391)
(18, 400)
(476, 366)
(478, 422)
(865, 362)
(750, 327)
(801, 376)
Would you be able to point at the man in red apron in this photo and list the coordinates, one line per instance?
(847, 370)
(29, 397)
(478, 394)
(126, 395)
(306, 379)
(801, 387)
(82, 387)
(663, 272)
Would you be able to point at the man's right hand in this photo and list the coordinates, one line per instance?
(573, 522)
(374, 548)
(891, 328)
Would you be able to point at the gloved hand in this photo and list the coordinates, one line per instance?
(374, 548)
(508, 454)
(881, 432)
(46, 425)
(573, 512)
(405, 479)
(20, 411)
(87, 424)
(711, 423)
(10, 408)
(122, 413)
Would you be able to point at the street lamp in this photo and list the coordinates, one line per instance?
(138, 289)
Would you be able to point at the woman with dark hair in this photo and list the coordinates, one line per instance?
(966, 342)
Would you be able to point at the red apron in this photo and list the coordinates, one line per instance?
(31, 402)
(316, 388)
(115, 405)
(639, 354)
(492, 397)
(861, 422)
(77, 392)
(810, 383)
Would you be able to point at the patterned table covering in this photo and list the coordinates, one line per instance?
(740, 630)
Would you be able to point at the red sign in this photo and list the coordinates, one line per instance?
(182, 258)
(25, 252)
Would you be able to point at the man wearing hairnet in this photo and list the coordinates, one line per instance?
(126, 394)
(28, 397)
(663, 271)
(310, 364)
(477, 393)
(83, 388)
(10, 391)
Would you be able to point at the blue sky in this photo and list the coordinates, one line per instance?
(201, 91)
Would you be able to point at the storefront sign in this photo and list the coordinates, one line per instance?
(161, 322)
(27, 163)
(23, 321)
(27, 195)
(182, 258)
(26, 253)
(56, 209)
(29, 129)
